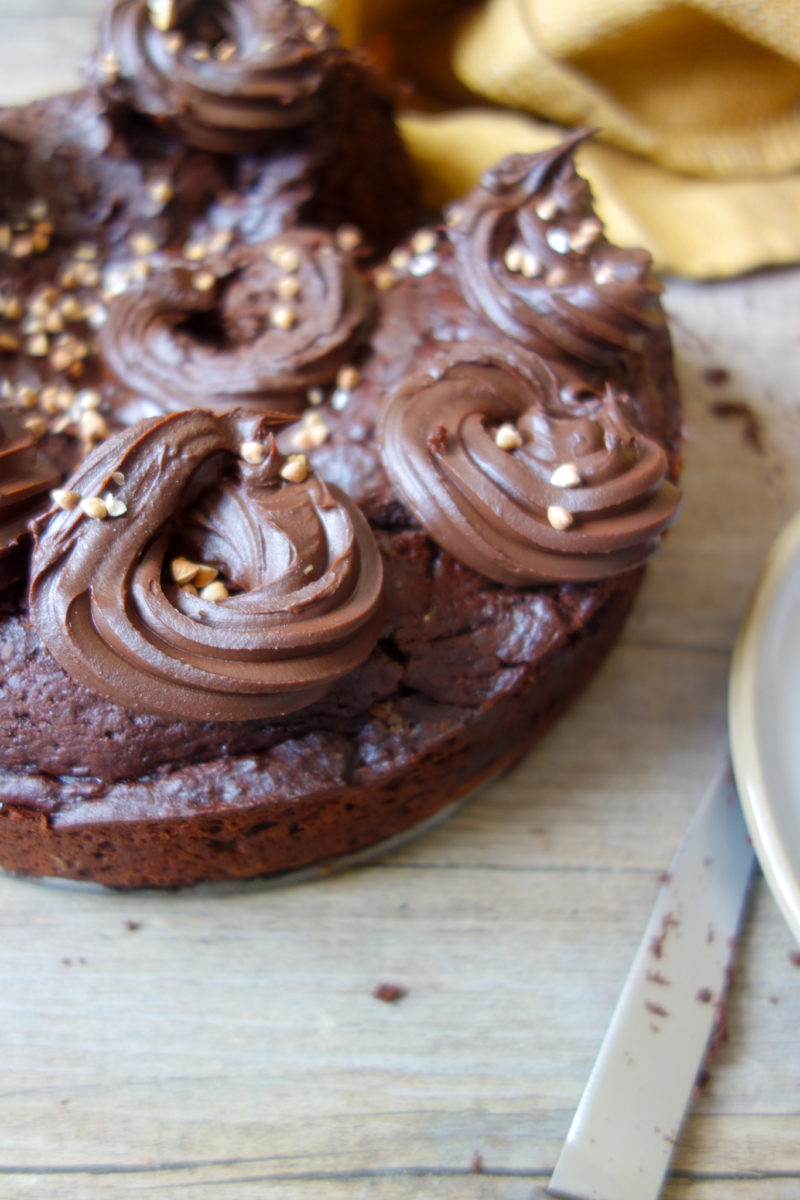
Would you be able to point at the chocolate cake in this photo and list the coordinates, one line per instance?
(298, 544)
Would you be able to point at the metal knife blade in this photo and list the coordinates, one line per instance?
(625, 1128)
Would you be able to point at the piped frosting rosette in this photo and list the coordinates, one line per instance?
(26, 478)
(298, 596)
(519, 488)
(226, 75)
(531, 256)
(275, 320)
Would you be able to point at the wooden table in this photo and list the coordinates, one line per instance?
(229, 1045)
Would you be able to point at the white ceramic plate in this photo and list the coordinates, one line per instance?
(764, 720)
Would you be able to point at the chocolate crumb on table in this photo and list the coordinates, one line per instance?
(390, 993)
(751, 427)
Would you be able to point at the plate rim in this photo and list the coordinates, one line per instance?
(782, 875)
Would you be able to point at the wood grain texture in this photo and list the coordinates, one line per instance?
(227, 1043)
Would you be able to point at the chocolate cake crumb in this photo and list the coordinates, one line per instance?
(703, 995)
(701, 1083)
(437, 440)
(657, 944)
(133, 925)
(657, 977)
(751, 428)
(390, 993)
(794, 958)
(477, 1163)
(657, 1010)
(716, 376)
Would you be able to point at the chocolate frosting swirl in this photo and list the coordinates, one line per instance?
(531, 257)
(505, 512)
(226, 75)
(170, 342)
(26, 478)
(302, 568)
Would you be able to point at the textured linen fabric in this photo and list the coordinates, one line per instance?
(696, 104)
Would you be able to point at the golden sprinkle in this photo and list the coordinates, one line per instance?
(310, 437)
(316, 396)
(162, 14)
(117, 477)
(195, 249)
(69, 279)
(287, 258)
(508, 438)
(37, 346)
(190, 588)
(288, 287)
(96, 316)
(547, 208)
(142, 244)
(204, 281)
(92, 426)
(295, 469)
(183, 570)
(348, 238)
(26, 397)
(204, 575)
(5, 237)
(37, 426)
(40, 306)
(88, 398)
(454, 216)
(384, 279)
(174, 42)
(214, 591)
(283, 316)
(49, 401)
(64, 498)
(86, 274)
(12, 310)
(93, 506)
(513, 258)
(423, 241)
(557, 276)
(22, 247)
(62, 358)
(8, 343)
(40, 241)
(225, 51)
(141, 270)
(530, 265)
(115, 506)
(38, 210)
(587, 232)
(200, 53)
(161, 191)
(558, 517)
(348, 378)
(604, 273)
(315, 33)
(85, 252)
(253, 453)
(399, 259)
(566, 475)
(220, 240)
(109, 65)
(54, 322)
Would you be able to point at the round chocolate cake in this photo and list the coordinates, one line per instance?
(299, 543)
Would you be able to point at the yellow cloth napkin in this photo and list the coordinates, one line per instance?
(697, 103)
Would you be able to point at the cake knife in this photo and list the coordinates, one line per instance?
(625, 1128)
